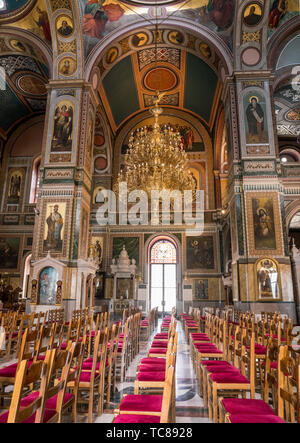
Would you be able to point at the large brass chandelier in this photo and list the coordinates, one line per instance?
(156, 159)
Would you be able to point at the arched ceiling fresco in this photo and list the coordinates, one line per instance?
(102, 18)
(181, 66)
(27, 74)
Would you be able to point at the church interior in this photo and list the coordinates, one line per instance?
(150, 211)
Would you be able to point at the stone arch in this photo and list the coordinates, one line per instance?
(279, 40)
(199, 30)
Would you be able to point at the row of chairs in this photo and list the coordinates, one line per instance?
(149, 323)
(97, 365)
(228, 360)
(154, 390)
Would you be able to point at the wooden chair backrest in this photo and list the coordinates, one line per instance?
(37, 372)
(288, 387)
(167, 395)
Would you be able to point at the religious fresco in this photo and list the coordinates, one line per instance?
(64, 26)
(253, 14)
(9, 252)
(132, 246)
(37, 22)
(63, 127)
(200, 252)
(101, 17)
(267, 279)
(200, 289)
(54, 229)
(280, 12)
(67, 66)
(47, 286)
(256, 118)
(12, 5)
(264, 223)
(15, 182)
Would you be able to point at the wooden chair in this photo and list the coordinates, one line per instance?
(148, 408)
(27, 352)
(33, 412)
(90, 379)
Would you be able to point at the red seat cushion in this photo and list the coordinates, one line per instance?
(252, 418)
(229, 378)
(222, 369)
(47, 415)
(152, 376)
(9, 371)
(247, 406)
(152, 367)
(151, 360)
(50, 403)
(157, 351)
(85, 377)
(215, 363)
(132, 418)
(88, 365)
(159, 344)
(144, 403)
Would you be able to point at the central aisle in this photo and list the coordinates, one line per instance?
(189, 405)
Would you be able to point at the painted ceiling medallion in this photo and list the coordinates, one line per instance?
(32, 85)
(11, 10)
(293, 115)
(161, 79)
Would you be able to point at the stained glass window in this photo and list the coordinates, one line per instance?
(163, 251)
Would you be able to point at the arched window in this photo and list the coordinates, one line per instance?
(35, 181)
(163, 251)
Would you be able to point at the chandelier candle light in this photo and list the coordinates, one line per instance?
(156, 159)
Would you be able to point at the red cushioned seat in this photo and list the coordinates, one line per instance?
(85, 377)
(159, 344)
(247, 406)
(9, 371)
(158, 351)
(215, 363)
(144, 403)
(222, 369)
(161, 336)
(152, 368)
(229, 378)
(152, 376)
(132, 418)
(50, 403)
(203, 339)
(245, 418)
(88, 365)
(47, 415)
(151, 360)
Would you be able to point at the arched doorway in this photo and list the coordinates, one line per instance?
(163, 275)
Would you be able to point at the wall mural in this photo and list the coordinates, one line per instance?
(253, 14)
(54, 230)
(37, 22)
(201, 290)
(102, 17)
(200, 252)
(267, 278)
(15, 182)
(9, 252)
(47, 286)
(263, 220)
(63, 127)
(280, 12)
(256, 118)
